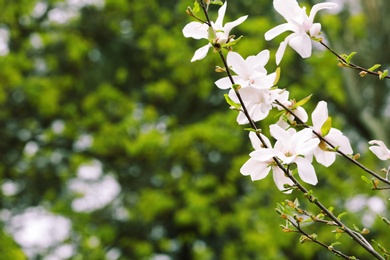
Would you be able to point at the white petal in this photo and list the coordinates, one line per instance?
(265, 82)
(318, 7)
(319, 116)
(256, 169)
(325, 158)
(261, 172)
(281, 50)
(289, 9)
(306, 171)
(221, 15)
(264, 154)
(301, 113)
(241, 119)
(196, 30)
(301, 43)
(223, 83)
(256, 143)
(315, 30)
(201, 53)
(238, 64)
(272, 33)
(381, 151)
(378, 142)
(338, 139)
(279, 133)
(262, 58)
(308, 147)
(280, 179)
(229, 26)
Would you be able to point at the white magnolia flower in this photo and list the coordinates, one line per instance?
(299, 23)
(257, 101)
(291, 147)
(199, 30)
(261, 163)
(255, 84)
(325, 154)
(296, 147)
(379, 149)
(250, 72)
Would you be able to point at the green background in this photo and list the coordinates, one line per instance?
(119, 76)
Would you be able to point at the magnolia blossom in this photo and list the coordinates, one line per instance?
(296, 147)
(299, 23)
(324, 154)
(250, 72)
(261, 163)
(291, 147)
(379, 149)
(255, 84)
(221, 33)
(257, 101)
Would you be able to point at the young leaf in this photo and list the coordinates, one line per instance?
(383, 74)
(341, 215)
(335, 244)
(277, 71)
(356, 228)
(366, 180)
(216, 2)
(374, 67)
(326, 126)
(196, 8)
(349, 57)
(231, 102)
(303, 101)
(231, 43)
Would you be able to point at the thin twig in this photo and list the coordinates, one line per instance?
(331, 248)
(351, 65)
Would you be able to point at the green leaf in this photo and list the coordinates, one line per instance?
(277, 71)
(366, 180)
(356, 228)
(349, 57)
(304, 239)
(231, 43)
(196, 8)
(326, 126)
(231, 102)
(217, 2)
(374, 67)
(341, 215)
(383, 74)
(335, 243)
(303, 101)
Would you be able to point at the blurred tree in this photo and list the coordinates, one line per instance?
(109, 85)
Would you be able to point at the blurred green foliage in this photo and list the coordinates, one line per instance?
(120, 75)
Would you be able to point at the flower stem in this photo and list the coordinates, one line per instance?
(351, 65)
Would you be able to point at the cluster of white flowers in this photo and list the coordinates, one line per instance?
(292, 149)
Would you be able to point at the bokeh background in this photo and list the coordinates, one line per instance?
(114, 146)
